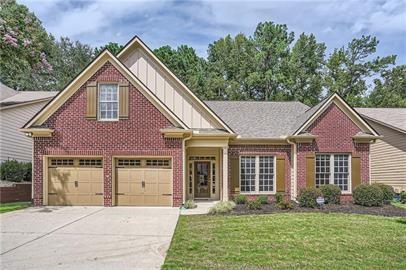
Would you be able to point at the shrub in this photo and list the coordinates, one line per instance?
(254, 205)
(388, 192)
(368, 195)
(403, 197)
(285, 205)
(190, 204)
(263, 199)
(331, 194)
(240, 199)
(279, 197)
(222, 208)
(14, 171)
(308, 196)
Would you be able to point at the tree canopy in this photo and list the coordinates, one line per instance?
(268, 65)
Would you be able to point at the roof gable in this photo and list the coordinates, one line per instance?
(313, 113)
(79, 80)
(168, 88)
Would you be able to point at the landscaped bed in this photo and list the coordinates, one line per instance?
(288, 241)
(385, 210)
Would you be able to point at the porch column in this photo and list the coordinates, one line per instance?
(225, 174)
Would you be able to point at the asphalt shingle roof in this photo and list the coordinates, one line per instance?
(395, 117)
(260, 119)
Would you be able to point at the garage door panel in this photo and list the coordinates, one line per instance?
(150, 200)
(61, 187)
(151, 176)
(135, 189)
(151, 189)
(164, 188)
(136, 200)
(135, 176)
(164, 176)
(164, 200)
(62, 174)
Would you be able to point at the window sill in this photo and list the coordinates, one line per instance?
(258, 193)
(108, 120)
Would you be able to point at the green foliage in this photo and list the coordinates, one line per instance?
(263, 199)
(190, 204)
(240, 199)
(113, 47)
(348, 68)
(285, 205)
(15, 171)
(403, 197)
(388, 192)
(308, 196)
(254, 204)
(279, 197)
(331, 194)
(368, 195)
(389, 91)
(222, 208)
(25, 49)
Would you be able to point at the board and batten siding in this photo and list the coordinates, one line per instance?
(13, 143)
(388, 157)
(167, 90)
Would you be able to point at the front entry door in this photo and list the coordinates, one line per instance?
(202, 179)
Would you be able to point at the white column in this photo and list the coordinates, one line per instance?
(225, 174)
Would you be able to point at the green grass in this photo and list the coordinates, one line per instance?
(8, 207)
(398, 204)
(288, 241)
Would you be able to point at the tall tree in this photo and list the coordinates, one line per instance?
(390, 90)
(272, 42)
(70, 59)
(231, 68)
(186, 64)
(25, 49)
(348, 68)
(304, 74)
(113, 47)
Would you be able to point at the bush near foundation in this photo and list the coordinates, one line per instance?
(15, 171)
(368, 195)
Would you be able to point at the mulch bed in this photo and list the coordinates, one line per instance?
(348, 208)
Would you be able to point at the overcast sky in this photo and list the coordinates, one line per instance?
(199, 23)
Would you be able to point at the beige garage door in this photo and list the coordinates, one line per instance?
(144, 182)
(75, 181)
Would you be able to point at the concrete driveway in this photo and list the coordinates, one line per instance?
(86, 237)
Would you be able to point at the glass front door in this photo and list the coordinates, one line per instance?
(202, 179)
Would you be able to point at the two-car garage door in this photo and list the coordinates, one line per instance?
(138, 181)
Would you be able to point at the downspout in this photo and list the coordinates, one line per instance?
(294, 195)
(184, 161)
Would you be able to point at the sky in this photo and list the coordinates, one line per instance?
(199, 23)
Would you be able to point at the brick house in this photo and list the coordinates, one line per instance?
(127, 131)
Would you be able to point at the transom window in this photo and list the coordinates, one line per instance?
(333, 169)
(257, 174)
(108, 101)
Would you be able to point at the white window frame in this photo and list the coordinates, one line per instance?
(331, 179)
(257, 175)
(98, 103)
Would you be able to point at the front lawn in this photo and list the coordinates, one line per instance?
(288, 241)
(7, 207)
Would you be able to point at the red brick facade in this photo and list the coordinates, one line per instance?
(138, 135)
(274, 150)
(334, 131)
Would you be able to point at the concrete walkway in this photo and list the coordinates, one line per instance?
(201, 209)
(86, 237)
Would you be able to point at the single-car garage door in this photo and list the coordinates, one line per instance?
(144, 181)
(75, 181)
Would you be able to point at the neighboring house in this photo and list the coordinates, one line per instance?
(16, 108)
(127, 131)
(388, 156)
